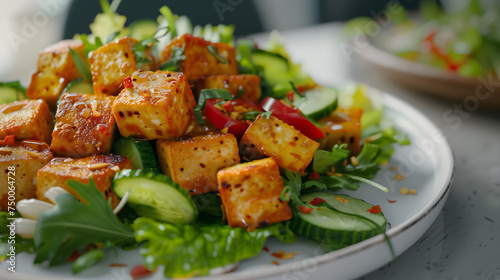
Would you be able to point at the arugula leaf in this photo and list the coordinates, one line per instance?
(83, 224)
(324, 160)
(81, 65)
(192, 250)
(174, 63)
(209, 94)
(292, 185)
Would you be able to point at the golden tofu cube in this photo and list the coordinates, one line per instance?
(196, 51)
(193, 163)
(100, 168)
(250, 193)
(55, 69)
(113, 62)
(84, 125)
(19, 164)
(158, 106)
(273, 138)
(27, 119)
(250, 84)
(343, 127)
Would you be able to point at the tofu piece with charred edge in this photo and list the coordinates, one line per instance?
(199, 61)
(343, 127)
(84, 125)
(158, 106)
(113, 62)
(19, 164)
(273, 138)
(27, 119)
(193, 163)
(101, 168)
(250, 193)
(250, 84)
(55, 69)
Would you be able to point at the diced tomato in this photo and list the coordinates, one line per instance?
(8, 140)
(292, 116)
(316, 201)
(314, 175)
(221, 120)
(375, 209)
(140, 271)
(305, 209)
(127, 82)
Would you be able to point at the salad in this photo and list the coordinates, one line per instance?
(461, 39)
(186, 143)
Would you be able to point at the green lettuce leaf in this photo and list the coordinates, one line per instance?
(72, 225)
(191, 250)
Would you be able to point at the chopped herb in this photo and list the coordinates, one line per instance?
(213, 51)
(209, 94)
(167, 13)
(174, 63)
(139, 50)
(81, 65)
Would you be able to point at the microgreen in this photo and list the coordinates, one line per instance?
(213, 51)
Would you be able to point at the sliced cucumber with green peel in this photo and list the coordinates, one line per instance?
(155, 195)
(350, 223)
(11, 92)
(77, 86)
(319, 102)
(140, 153)
(276, 67)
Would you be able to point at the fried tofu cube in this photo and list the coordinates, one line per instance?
(27, 119)
(19, 164)
(113, 62)
(193, 163)
(54, 70)
(273, 138)
(250, 193)
(158, 106)
(101, 168)
(84, 125)
(197, 52)
(343, 127)
(250, 84)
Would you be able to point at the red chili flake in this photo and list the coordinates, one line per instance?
(304, 209)
(275, 263)
(265, 249)
(289, 95)
(316, 201)
(75, 255)
(314, 175)
(8, 140)
(284, 256)
(390, 226)
(140, 271)
(255, 46)
(228, 106)
(375, 209)
(127, 82)
(300, 89)
(391, 201)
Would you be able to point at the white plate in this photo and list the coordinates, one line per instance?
(427, 165)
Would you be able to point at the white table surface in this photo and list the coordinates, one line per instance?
(464, 241)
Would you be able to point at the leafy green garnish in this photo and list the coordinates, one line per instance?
(86, 260)
(209, 94)
(167, 14)
(292, 186)
(192, 250)
(81, 65)
(83, 223)
(213, 51)
(209, 203)
(174, 63)
(139, 50)
(16, 85)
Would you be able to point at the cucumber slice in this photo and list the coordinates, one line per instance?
(319, 102)
(142, 29)
(140, 153)
(276, 68)
(155, 195)
(11, 92)
(77, 86)
(335, 230)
